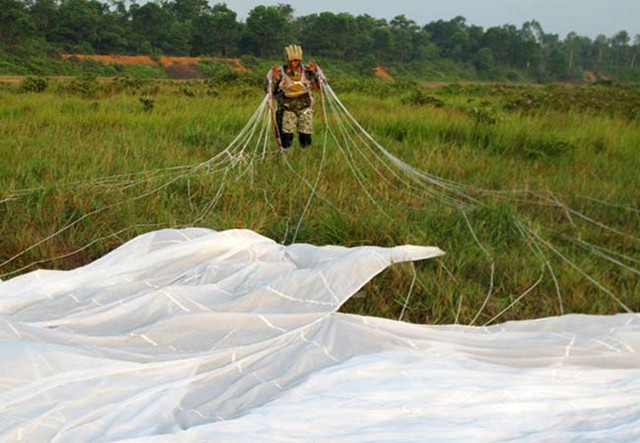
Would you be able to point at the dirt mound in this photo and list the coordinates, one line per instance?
(163, 61)
(382, 72)
(232, 63)
(595, 77)
(113, 59)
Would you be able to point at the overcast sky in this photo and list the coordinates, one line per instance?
(586, 17)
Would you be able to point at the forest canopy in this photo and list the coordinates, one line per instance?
(197, 28)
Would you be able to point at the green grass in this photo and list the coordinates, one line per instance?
(59, 142)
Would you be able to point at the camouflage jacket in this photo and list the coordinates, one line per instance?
(293, 89)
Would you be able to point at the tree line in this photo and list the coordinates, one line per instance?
(196, 28)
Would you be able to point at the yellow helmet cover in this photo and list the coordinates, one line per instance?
(293, 52)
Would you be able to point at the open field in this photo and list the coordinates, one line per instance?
(87, 166)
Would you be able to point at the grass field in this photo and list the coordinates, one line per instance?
(553, 172)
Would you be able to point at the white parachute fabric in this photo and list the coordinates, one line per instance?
(198, 335)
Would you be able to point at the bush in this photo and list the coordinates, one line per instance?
(183, 70)
(34, 84)
(188, 90)
(214, 70)
(86, 86)
(548, 147)
(420, 98)
(250, 61)
(484, 115)
(147, 102)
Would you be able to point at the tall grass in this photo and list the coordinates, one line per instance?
(57, 145)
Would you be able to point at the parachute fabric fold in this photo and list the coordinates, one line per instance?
(175, 328)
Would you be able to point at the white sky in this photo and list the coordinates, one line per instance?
(586, 17)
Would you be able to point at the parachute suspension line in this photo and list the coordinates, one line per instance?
(409, 170)
(272, 111)
(354, 170)
(569, 212)
(512, 304)
(347, 127)
(110, 183)
(320, 170)
(493, 268)
(608, 254)
(78, 250)
(365, 158)
(363, 136)
(267, 128)
(259, 123)
(306, 181)
(347, 155)
(87, 215)
(611, 205)
(537, 250)
(413, 282)
(355, 145)
(456, 321)
(204, 212)
(209, 166)
(583, 273)
(554, 202)
(239, 155)
(602, 225)
(310, 186)
(350, 127)
(230, 152)
(347, 130)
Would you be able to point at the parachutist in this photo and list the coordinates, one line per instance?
(292, 86)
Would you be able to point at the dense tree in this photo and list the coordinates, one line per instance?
(365, 24)
(579, 53)
(620, 48)
(184, 10)
(484, 60)
(216, 33)
(601, 44)
(405, 38)
(330, 35)
(194, 27)
(268, 30)
(78, 23)
(503, 42)
(442, 31)
(15, 22)
(43, 13)
(159, 31)
(635, 52)
(381, 44)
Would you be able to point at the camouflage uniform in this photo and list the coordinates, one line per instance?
(292, 89)
(300, 120)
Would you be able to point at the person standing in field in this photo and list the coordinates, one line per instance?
(292, 87)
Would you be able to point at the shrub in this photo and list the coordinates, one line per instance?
(420, 98)
(249, 61)
(34, 84)
(183, 70)
(484, 115)
(124, 84)
(86, 86)
(188, 90)
(548, 147)
(147, 102)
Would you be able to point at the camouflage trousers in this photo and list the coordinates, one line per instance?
(301, 119)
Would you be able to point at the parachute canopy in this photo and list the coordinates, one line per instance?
(198, 335)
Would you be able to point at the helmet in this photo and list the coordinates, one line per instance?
(293, 52)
